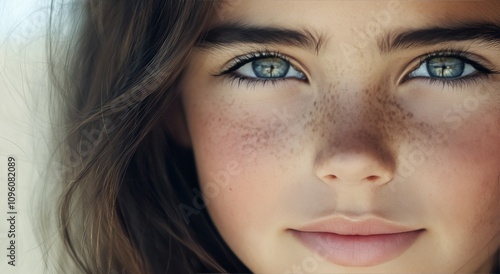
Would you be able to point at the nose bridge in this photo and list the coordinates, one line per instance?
(354, 104)
(355, 141)
(357, 122)
(356, 145)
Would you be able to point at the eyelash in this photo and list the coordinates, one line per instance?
(482, 70)
(242, 60)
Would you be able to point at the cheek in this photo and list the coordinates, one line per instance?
(243, 153)
(474, 160)
(247, 136)
(459, 141)
(464, 195)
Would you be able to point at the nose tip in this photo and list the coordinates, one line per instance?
(357, 169)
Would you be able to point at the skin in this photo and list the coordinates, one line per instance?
(351, 141)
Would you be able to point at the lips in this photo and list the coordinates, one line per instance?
(357, 243)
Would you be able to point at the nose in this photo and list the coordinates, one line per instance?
(356, 160)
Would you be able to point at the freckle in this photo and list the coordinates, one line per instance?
(410, 115)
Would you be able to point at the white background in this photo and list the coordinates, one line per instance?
(24, 123)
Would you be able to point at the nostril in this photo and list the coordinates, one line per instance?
(372, 178)
(331, 177)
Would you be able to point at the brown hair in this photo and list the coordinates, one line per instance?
(123, 176)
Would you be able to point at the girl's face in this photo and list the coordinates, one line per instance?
(350, 136)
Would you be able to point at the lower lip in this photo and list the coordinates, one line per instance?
(358, 250)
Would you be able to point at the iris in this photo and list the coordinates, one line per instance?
(270, 68)
(445, 67)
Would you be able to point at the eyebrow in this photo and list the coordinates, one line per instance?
(231, 34)
(482, 32)
(235, 33)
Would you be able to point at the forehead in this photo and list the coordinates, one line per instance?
(371, 24)
(337, 16)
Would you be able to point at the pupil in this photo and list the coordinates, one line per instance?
(445, 67)
(270, 68)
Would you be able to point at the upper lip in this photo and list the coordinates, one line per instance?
(360, 226)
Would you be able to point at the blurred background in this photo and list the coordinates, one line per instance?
(24, 126)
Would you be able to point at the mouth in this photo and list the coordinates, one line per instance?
(357, 243)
